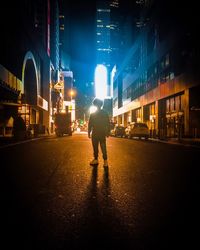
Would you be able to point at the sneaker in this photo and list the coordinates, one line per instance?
(94, 162)
(105, 164)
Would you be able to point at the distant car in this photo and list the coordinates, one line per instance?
(118, 131)
(137, 129)
(63, 124)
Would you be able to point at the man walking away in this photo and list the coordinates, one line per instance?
(99, 125)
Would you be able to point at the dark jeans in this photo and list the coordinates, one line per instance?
(95, 143)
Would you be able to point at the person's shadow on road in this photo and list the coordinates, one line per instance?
(101, 227)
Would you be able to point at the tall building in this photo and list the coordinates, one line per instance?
(103, 33)
(54, 34)
(108, 42)
(114, 32)
(64, 35)
(66, 75)
(107, 33)
(158, 79)
(27, 62)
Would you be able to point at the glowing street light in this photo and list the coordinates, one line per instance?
(72, 93)
(101, 81)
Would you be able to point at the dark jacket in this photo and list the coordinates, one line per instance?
(99, 124)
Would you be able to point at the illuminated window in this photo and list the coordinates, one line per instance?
(102, 49)
(114, 4)
(103, 10)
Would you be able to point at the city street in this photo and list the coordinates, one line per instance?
(53, 199)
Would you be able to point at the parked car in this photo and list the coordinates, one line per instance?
(118, 131)
(137, 129)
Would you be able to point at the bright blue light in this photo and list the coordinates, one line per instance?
(101, 81)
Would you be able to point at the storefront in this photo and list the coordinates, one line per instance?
(10, 93)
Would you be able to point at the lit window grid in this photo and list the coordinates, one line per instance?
(103, 10)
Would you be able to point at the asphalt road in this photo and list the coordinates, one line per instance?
(53, 199)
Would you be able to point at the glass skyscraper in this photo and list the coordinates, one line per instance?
(107, 33)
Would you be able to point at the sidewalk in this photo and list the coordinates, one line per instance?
(183, 141)
(9, 140)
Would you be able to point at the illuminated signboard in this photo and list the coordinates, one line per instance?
(59, 85)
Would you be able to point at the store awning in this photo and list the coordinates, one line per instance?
(10, 104)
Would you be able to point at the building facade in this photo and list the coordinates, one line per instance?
(158, 80)
(107, 35)
(28, 58)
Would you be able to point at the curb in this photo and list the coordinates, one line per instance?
(22, 142)
(182, 143)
